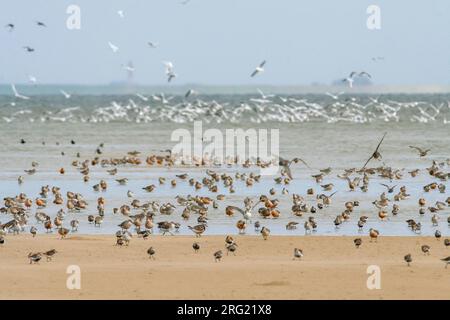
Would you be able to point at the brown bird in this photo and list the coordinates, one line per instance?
(151, 252)
(265, 232)
(426, 249)
(376, 154)
(422, 152)
(198, 229)
(231, 248)
(34, 257)
(298, 253)
(357, 242)
(218, 255)
(408, 259)
(49, 254)
(447, 261)
(63, 232)
(447, 242)
(196, 246)
(373, 234)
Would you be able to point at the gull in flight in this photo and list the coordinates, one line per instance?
(350, 79)
(17, 95)
(65, 94)
(352, 75)
(185, 1)
(334, 96)
(376, 154)
(113, 47)
(29, 49)
(128, 67)
(120, 13)
(10, 26)
(142, 96)
(32, 79)
(265, 96)
(258, 69)
(169, 70)
(41, 24)
(190, 92)
(152, 44)
(377, 59)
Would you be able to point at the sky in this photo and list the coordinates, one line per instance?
(220, 42)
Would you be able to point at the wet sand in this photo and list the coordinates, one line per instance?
(332, 268)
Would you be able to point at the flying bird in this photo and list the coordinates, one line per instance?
(29, 49)
(17, 95)
(120, 13)
(169, 70)
(189, 93)
(41, 24)
(32, 79)
(258, 69)
(65, 94)
(144, 98)
(375, 154)
(422, 152)
(349, 79)
(113, 47)
(152, 44)
(10, 27)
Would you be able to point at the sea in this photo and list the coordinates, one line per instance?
(325, 130)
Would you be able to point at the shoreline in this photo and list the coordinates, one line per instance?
(332, 268)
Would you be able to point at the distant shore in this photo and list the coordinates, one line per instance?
(133, 88)
(332, 268)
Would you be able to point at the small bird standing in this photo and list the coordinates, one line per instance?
(151, 252)
(196, 246)
(218, 255)
(298, 253)
(265, 232)
(357, 242)
(408, 259)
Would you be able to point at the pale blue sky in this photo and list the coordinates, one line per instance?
(219, 42)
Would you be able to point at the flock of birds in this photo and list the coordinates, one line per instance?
(264, 108)
(140, 216)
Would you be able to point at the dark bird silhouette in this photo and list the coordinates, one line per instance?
(376, 154)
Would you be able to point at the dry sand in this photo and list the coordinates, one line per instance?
(331, 269)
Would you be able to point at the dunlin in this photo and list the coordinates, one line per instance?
(408, 259)
(298, 253)
(218, 255)
(447, 261)
(151, 253)
(426, 249)
(196, 246)
(49, 254)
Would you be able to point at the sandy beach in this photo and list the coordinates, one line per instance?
(332, 268)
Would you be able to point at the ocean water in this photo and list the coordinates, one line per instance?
(338, 132)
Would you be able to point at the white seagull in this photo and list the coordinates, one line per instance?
(259, 69)
(152, 44)
(32, 79)
(65, 94)
(264, 96)
(190, 92)
(128, 67)
(120, 13)
(334, 96)
(113, 47)
(144, 98)
(169, 70)
(17, 95)
(350, 79)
